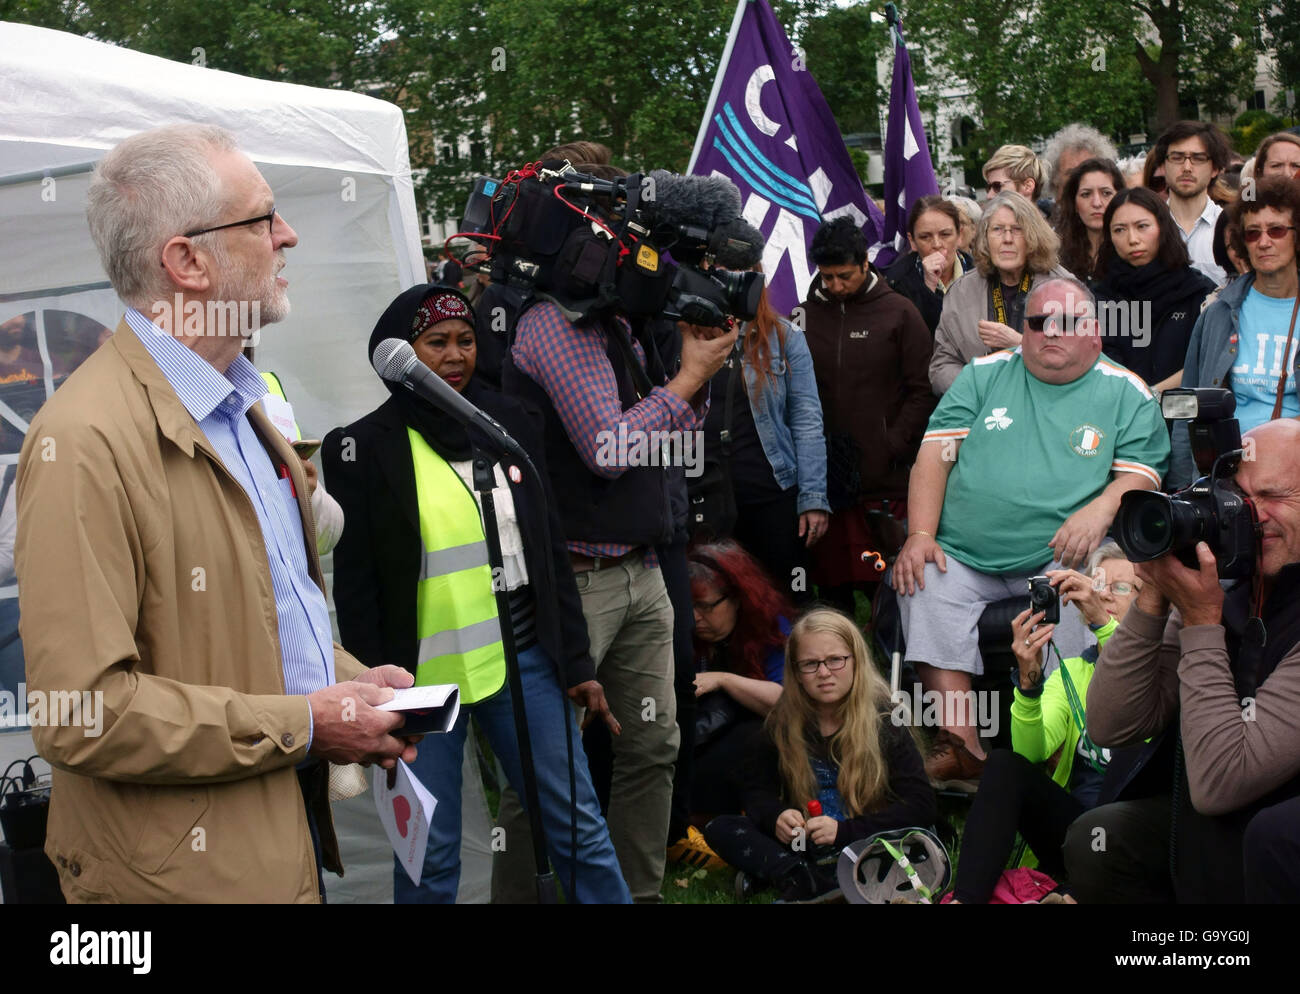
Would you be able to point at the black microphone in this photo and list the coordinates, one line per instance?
(394, 360)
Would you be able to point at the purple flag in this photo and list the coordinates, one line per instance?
(909, 175)
(767, 128)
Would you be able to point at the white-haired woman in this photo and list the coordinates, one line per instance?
(1014, 250)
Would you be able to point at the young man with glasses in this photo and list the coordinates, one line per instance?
(1048, 435)
(1247, 339)
(1193, 154)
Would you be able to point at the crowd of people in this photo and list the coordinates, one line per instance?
(696, 657)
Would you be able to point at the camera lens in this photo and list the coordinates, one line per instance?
(1154, 527)
(1150, 524)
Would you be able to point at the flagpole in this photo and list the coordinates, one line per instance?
(717, 82)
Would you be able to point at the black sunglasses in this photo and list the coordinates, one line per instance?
(1060, 323)
(269, 218)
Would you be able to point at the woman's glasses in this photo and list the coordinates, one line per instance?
(1276, 232)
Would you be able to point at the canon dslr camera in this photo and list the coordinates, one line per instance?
(1150, 524)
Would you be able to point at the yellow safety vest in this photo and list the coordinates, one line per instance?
(457, 625)
(273, 384)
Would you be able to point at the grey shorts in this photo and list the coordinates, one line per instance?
(940, 623)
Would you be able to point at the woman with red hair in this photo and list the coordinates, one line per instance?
(741, 625)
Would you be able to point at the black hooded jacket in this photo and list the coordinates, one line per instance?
(370, 472)
(1149, 331)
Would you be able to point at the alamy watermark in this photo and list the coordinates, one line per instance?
(1114, 318)
(210, 319)
(948, 709)
(629, 448)
(62, 708)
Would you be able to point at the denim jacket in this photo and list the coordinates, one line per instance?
(788, 416)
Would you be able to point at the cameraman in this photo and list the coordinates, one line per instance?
(1195, 674)
(583, 378)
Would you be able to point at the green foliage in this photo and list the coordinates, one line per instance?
(1037, 65)
(1280, 19)
(841, 48)
(1252, 127)
(1221, 64)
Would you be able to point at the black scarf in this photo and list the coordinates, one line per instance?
(445, 435)
(1167, 289)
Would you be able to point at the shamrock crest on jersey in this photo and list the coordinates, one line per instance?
(998, 419)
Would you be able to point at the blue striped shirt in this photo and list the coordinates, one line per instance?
(220, 406)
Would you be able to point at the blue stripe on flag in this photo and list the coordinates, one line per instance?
(760, 188)
(768, 182)
(798, 185)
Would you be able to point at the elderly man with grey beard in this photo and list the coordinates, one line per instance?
(166, 559)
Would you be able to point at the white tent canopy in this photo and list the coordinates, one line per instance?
(338, 165)
(337, 162)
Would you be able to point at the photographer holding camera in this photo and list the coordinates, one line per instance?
(594, 382)
(1215, 681)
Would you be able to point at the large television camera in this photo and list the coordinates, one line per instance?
(641, 245)
(1150, 524)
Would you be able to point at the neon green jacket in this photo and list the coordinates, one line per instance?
(1041, 725)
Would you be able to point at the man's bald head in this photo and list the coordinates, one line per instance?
(1270, 476)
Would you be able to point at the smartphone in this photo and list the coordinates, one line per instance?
(306, 447)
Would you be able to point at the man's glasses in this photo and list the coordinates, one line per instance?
(1178, 158)
(997, 186)
(833, 663)
(1276, 232)
(269, 218)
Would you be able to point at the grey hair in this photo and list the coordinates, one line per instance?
(1109, 549)
(1042, 245)
(968, 207)
(1132, 165)
(1097, 145)
(148, 189)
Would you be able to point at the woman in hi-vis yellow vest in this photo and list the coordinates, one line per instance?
(412, 586)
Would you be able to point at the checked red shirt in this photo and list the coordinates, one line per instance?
(570, 364)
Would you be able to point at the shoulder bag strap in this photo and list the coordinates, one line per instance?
(1286, 360)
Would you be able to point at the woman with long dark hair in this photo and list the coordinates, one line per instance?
(1079, 214)
(830, 739)
(413, 586)
(1149, 296)
(741, 624)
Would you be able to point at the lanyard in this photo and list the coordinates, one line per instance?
(1076, 709)
(999, 305)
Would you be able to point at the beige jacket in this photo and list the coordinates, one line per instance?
(957, 336)
(143, 575)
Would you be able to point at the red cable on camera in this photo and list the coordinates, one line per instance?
(622, 249)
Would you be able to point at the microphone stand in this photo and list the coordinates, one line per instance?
(485, 483)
